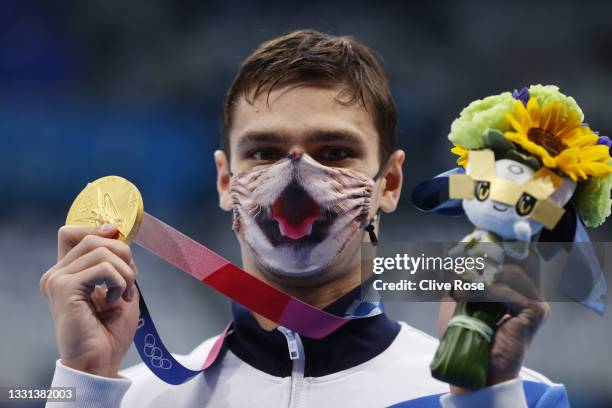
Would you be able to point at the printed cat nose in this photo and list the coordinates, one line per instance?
(296, 153)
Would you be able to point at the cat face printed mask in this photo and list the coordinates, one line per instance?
(297, 215)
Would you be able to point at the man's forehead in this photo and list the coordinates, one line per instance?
(311, 113)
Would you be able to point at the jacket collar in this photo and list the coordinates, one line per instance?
(354, 343)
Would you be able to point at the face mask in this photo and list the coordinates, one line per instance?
(297, 215)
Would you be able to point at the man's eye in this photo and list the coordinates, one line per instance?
(264, 155)
(334, 154)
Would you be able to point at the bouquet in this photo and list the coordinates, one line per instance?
(526, 161)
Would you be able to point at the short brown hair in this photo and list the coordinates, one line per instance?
(306, 56)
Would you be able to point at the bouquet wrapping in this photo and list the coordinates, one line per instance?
(462, 358)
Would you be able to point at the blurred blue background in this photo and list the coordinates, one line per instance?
(134, 88)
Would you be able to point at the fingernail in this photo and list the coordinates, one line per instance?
(130, 294)
(107, 228)
(134, 267)
(112, 296)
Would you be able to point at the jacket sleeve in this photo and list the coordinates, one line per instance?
(90, 390)
(515, 393)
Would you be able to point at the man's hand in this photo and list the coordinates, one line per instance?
(94, 326)
(518, 291)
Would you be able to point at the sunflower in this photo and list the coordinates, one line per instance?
(559, 139)
(462, 153)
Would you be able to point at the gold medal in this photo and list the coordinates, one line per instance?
(109, 200)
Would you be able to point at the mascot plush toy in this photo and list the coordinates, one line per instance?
(530, 169)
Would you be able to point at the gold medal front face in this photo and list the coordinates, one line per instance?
(109, 200)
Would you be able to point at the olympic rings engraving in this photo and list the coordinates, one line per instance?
(155, 353)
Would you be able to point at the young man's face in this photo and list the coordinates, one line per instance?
(312, 120)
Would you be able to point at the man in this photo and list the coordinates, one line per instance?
(308, 163)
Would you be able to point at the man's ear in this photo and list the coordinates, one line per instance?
(391, 182)
(223, 180)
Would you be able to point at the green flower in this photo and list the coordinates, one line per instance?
(488, 113)
(592, 200)
(546, 94)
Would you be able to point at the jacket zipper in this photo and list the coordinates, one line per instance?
(296, 354)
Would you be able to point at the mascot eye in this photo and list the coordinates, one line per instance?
(482, 190)
(525, 204)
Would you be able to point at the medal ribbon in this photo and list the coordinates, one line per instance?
(215, 271)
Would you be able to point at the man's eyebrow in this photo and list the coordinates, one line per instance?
(334, 135)
(270, 137)
(315, 136)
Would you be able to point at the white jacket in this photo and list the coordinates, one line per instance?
(398, 375)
